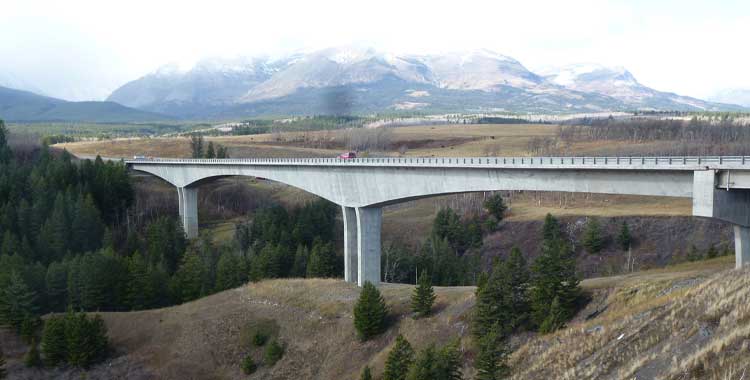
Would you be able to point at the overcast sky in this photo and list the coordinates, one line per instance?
(80, 49)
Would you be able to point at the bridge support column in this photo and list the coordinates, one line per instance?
(188, 205)
(350, 243)
(369, 221)
(741, 246)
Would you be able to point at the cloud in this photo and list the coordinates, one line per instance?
(81, 49)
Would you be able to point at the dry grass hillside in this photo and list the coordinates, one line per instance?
(685, 322)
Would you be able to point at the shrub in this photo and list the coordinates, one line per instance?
(259, 339)
(274, 352)
(366, 374)
(248, 365)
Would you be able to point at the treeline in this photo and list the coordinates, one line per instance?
(697, 129)
(199, 149)
(450, 254)
(298, 243)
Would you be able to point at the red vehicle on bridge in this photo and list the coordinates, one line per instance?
(348, 155)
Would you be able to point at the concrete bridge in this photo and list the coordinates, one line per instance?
(718, 186)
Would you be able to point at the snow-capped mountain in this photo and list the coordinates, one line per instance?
(619, 83)
(367, 80)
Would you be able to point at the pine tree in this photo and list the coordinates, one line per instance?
(448, 366)
(196, 145)
(515, 282)
(399, 360)
(366, 374)
(322, 261)
(423, 297)
(189, 278)
(228, 272)
(623, 237)
(556, 318)
(424, 365)
(86, 339)
(17, 302)
(495, 206)
(370, 312)
(553, 275)
(54, 343)
(57, 286)
(299, 268)
(491, 361)
(32, 357)
(592, 237)
(138, 283)
(210, 152)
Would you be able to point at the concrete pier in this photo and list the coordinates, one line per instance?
(350, 243)
(741, 246)
(188, 205)
(369, 221)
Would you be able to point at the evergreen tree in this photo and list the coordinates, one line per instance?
(623, 238)
(399, 360)
(32, 358)
(57, 286)
(86, 339)
(322, 260)
(592, 237)
(54, 342)
(228, 272)
(491, 361)
(17, 302)
(370, 312)
(299, 268)
(424, 365)
(221, 152)
(138, 284)
(515, 282)
(553, 275)
(188, 281)
(196, 145)
(210, 152)
(366, 374)
(423, 297)
(495, 206)
(556, 318)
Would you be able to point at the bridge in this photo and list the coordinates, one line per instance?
(718, 186)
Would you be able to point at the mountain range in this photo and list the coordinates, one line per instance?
(360, 80)
(352, 80)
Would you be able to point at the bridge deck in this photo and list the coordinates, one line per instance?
(688, 163)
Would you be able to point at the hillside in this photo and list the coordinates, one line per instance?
(16, 105)
(689, 320)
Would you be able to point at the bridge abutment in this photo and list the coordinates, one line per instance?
(350, 243)
(188, 206)
(369, 222)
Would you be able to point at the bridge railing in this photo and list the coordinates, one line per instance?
(673, 162)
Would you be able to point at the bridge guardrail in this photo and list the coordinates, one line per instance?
(639, 162)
